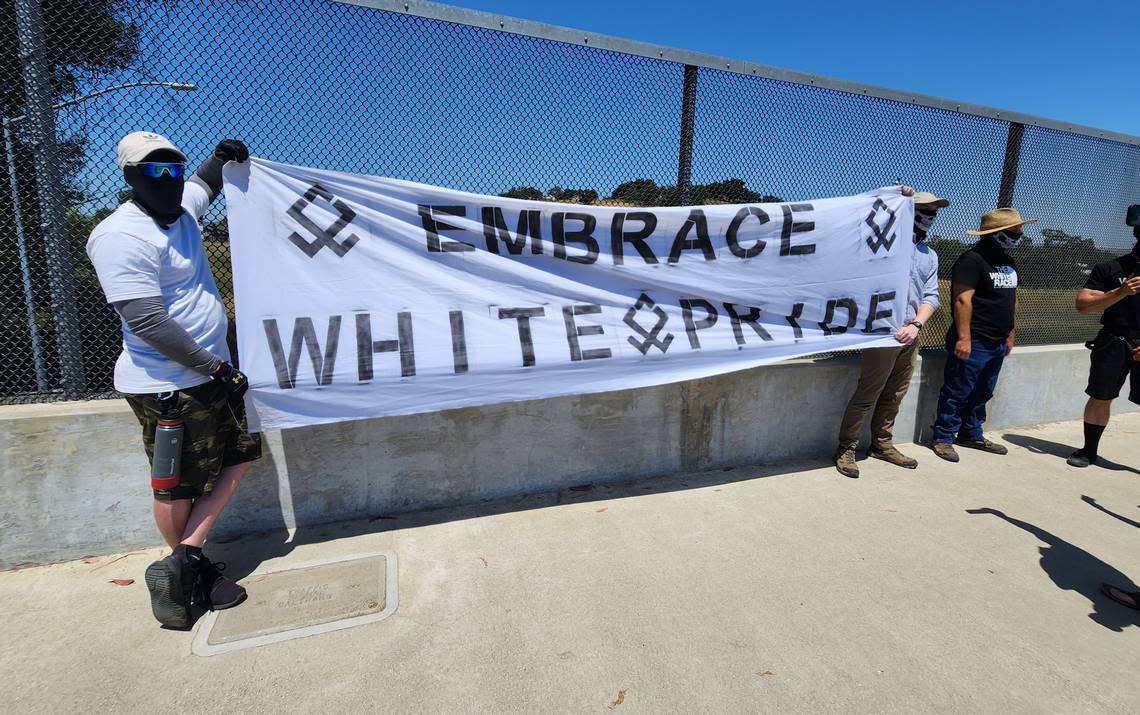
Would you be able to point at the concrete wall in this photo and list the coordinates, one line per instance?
(74, 478)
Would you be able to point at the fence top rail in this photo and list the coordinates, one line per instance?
(530, 28)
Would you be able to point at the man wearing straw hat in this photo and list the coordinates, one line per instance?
(1111, 290)
(984, 292)
(884, 373)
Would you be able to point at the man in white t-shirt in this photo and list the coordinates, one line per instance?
(153, 268)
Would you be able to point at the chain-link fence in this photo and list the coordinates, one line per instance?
(473, 102)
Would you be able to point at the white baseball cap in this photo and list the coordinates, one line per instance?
(135, 146)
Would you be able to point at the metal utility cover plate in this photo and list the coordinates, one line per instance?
(303, 600)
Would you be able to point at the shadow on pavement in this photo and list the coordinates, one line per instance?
(1044, 446)
(244, 554)
(1074, 569)
(1093, 503)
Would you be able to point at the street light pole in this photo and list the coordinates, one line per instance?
(25, 271)
(21, 242)
(41, 126)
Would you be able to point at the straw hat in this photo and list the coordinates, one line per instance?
(1000, 220)
(925, 198)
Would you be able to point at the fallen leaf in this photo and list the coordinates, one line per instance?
(618, 700)
(484, 561)
(765, 673)
(716, 490)
(90, 559)
(122, 581)
(581, 487)
(601, 509)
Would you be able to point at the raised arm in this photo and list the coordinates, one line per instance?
(209, 174)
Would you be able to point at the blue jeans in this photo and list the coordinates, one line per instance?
(967, 386)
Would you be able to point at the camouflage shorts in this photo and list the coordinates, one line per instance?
(212, 440)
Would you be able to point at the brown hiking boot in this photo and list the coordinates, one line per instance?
(945, 450)
(892, 455)
(845, 462)
(982, 444)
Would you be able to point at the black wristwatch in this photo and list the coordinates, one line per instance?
(916, 323)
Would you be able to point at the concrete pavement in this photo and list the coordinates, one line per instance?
(775, 588)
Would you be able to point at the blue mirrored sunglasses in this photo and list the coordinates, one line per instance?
(156, 169)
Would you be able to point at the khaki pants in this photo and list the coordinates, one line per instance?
(883, 379)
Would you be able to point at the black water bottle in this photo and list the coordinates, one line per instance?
(166, 465)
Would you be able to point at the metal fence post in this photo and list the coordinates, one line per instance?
(1009, 168)
(41, 124)
(25, 269)
(688, 119)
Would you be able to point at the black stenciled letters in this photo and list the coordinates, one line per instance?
(847, 304)
(458, 341)
(753, 320)
(698, 222)
(731, 236)
(797, 311)
(619, 236)
(792, 226)
(692, 326)
(584, 235)
(574, 331)
(433, 228)
(526, 341)
(495, 230)
(875, 314)
(366, 347)
(304, 335)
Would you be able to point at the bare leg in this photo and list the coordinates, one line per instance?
(1097, 411)
(171, 518)
(207, 509)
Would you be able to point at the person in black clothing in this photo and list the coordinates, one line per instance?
(1111, 290)
(984, 292)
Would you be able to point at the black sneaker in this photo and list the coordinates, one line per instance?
(1081, 459)
(170, 581)
(214, 591)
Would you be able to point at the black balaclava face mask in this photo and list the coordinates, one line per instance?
(161, 198)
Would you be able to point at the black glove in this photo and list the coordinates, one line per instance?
(231, 150)
(233, 381)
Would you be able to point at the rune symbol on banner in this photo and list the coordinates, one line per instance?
(645, 303)
(883, 238)
(324, 237)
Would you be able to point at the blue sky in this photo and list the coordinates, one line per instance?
(347, 88)
(1077, 62)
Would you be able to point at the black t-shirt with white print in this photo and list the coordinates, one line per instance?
(992, 273)
(1121, 318)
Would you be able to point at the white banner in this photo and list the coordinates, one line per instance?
(360, 296)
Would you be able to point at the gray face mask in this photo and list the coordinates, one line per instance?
(1007, 240)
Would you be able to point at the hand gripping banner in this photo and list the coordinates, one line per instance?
(359, 296)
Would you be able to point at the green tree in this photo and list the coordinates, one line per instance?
(644, 192)
(83, 39)
(572, 196)
(528, 193)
